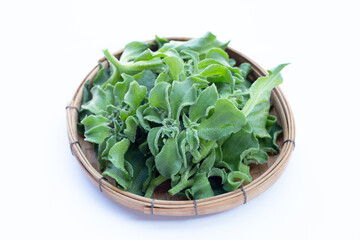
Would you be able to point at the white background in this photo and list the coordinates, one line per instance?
(48, 47)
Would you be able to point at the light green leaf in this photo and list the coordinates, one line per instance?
(133, 50)
(98, 102)
(168, 162)
(118, 175)
(182, 94)
(97, 134)
(202, 44)
(117, 155)
(92, 121)
(122, 87)
(234, 146)
(134, 95)
(226, 119)
(153, 140)
(175, 65)
(201, 188)
(204, 102)
(260, 90)
(131, 124)
(159, 96)
(217, 73)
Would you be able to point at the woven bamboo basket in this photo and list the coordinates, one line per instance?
(161, 202)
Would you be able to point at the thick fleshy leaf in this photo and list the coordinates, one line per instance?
(146, 78)
(218, 172)
(203, 44)
(204, 102)
(175, 66)
(117, 155)
(118, 175)
(140, 116)
(155, 64)
(110, 142)
(98, 102)
(109, 91)
(150, 165)
(92, 121)
(153, 115)
(201, 188)
(260, 90)
(102, 75)
(245, 69)
(182, 94)
(195, 59)
(168, 162)
(218, 73)
(97, 134)
(234, 146)
(208, 162)
(226, 119)
(122, 87)
(135, 95)
(130, 130)
(159, 96)
(153, 140)
(160, 41)
(258, 118)
(236, 178)
(140, 174)
(132, 50)
(255, 156)
(269, 144)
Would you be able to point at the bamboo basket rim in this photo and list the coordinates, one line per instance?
(187, 207)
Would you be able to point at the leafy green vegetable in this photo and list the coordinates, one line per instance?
(184, 113)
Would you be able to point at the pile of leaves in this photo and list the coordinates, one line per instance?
(184, 112)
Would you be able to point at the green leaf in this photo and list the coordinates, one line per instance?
(146, 78)
(102, 75)
(235, 146)
(245, 69)
(118, 175)
(92, 121)
(226, 119)
(98, 102)
(260, 90)
(153, 140)
(97, 134)
(201, 188)
(217, 73)
(160, 41)
(122, 87)
(153, 115)
(175, 65)
(140, 174)
(208, 162)
(168, 162)
(201, 45)
(132, 50)
(204, 102)
(182, 94)
(131, 124)
(110, 142)
(134, 96)
(155, 64)
(117, 155)
(258, 118)
(159, 96)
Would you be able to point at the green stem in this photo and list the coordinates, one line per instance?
(133, 68)
(184, 183)
(153, 184)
